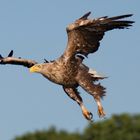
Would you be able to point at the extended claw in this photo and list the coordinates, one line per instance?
(88, 115)
(101, 112)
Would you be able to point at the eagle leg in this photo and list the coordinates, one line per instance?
(101, 112)
(96, 90)
(74, 94)
(88, 115)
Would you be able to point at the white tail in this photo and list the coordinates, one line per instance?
(96, 75)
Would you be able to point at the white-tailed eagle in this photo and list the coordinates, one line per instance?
(84, 36)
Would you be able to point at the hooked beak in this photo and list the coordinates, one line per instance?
(31, 69)
(34, 69)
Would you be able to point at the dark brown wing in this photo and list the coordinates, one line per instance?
(16, 61)
(84, 34)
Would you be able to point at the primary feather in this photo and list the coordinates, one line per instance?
(84, 34)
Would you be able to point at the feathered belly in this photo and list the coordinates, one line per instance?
(63, 77)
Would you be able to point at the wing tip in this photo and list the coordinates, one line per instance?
(1, 57)
(129, 15)
(85, 16)
(120, 17)
(11, 53)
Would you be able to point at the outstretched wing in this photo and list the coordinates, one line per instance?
(16, 61)
(84, 34)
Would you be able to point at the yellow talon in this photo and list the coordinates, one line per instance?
(101, 112)
(88, 115)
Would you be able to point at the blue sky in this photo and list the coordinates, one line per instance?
(36, 30)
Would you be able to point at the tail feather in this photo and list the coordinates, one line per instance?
(96, 76)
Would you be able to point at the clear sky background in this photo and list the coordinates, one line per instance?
(36, 30)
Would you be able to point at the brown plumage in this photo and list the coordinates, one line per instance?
(68, 70)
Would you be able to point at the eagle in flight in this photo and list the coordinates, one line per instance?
(84, 36)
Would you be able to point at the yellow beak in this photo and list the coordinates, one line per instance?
(34, 69)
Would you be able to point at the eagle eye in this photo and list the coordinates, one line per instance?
(39, 66)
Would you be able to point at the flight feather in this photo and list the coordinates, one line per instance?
(84, 34)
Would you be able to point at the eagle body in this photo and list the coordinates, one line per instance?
(65, 73)
(69, 71)
(59, 72)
